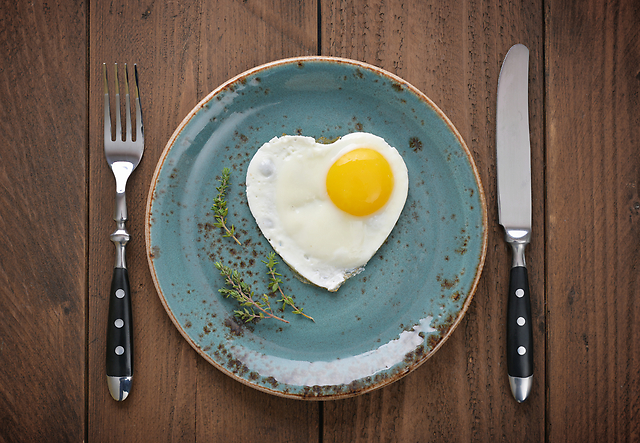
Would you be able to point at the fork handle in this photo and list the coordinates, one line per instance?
(119, 336)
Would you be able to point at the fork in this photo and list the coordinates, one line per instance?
(123, 155)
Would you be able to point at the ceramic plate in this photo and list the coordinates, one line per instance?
(382, 323)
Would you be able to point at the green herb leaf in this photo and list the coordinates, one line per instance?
(242, 293)
(274, 285)
(219, 207)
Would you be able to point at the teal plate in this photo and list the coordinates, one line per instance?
(382, 323)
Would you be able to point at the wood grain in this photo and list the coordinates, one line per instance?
(161, 405)
(236, 36)
(183, 51)
(452, 51)
(593, 159)
(43, 213)
(57, 200)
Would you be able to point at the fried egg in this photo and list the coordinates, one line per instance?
(327, 208)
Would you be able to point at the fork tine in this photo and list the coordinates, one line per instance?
(129, 129)
(117, 110)
(139, 126)
(107, 111)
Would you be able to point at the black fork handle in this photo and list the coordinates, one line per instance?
(119, 353)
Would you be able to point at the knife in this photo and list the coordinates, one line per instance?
(514, 211)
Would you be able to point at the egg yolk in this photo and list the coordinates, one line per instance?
(360, 182)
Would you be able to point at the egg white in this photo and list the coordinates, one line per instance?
(287, 195)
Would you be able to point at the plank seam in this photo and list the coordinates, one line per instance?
(88, 216)
(545, 273)
(319, 29)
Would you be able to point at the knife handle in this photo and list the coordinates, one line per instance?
(119, 335)
(519, 327)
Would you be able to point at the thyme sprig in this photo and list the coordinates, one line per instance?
(241, 291)
(274, 285)
(220, 206)
(252, 307)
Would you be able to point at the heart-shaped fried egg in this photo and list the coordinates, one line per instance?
(327, 208)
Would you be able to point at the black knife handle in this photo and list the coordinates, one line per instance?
(119, 328)
(519, 327)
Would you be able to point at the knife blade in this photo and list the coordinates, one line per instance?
(514, 211)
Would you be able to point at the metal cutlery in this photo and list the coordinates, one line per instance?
(123, 152)
(514, 210)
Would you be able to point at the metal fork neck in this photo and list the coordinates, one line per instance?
(120, 236)
(120, 214)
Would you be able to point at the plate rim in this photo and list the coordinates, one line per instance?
(478, 271)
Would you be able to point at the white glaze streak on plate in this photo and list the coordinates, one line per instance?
(337, 372)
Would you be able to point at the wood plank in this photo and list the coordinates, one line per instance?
(43, 214)
(162, 38)
(237, 36)
(593, 139)
(183, 52)
(452, 51)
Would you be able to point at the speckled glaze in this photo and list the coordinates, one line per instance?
(382, 323)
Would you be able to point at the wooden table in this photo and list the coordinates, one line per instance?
(57, 199)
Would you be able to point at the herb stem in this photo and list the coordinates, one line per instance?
(275, 286)
(220, 206)
(241, 292)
